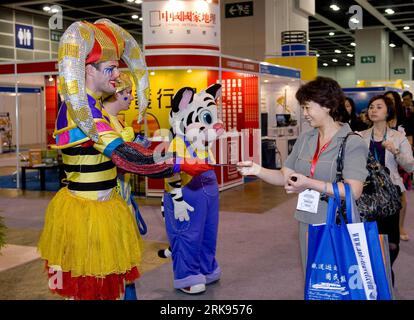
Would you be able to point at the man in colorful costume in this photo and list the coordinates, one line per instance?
(90, 241)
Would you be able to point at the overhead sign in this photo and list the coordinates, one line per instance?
(368, 59)
(24, 36)
(279, 71)
(250, 66)
(181, 25)
(55, 35)
(239, 9)
(399, 71)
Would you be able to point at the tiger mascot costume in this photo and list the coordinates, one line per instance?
(191, 203)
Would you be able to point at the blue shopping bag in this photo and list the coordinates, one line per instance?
(345, 260)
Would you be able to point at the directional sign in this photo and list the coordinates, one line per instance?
(368, 59)
(239, 9)
(24, 36)
(55, 35)
(399, 71)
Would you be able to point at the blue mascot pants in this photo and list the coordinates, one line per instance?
(193, 243)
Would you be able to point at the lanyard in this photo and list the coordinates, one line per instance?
(317, 155)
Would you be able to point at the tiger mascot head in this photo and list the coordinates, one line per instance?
(194, 116)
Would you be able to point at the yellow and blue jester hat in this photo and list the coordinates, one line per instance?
(84, 43)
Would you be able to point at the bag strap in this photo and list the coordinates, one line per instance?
(332, 209)
(348, 202)
(341, 156)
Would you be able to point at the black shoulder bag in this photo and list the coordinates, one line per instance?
(380, 198)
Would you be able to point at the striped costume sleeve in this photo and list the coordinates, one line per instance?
(109, 139)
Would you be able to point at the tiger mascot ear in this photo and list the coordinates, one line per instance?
(214, 90)
(182, 99)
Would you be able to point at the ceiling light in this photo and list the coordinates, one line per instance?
(138, 1)
(406, 28)
(189, 71)
(392, 45)
(354, 20)
(266, 80)
(152, 73)
(334, 7)
(50, 79)
(350, 55)
(348, 64)
(389, 11)
(46, 8)
(337, 51)
(334, 60)
(308, 40)
(331, 33)
(55, 10)
(134, 16)
(325, 64)
(318, 55)
(141, 19)
(412, 58)
(130, 0)
(353, 44)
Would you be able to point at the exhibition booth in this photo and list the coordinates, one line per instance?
(250, 90)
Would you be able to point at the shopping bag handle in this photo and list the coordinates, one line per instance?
(348, 203)
(348, 200)
(332, 208)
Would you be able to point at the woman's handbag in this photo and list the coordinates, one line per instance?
(380, 198)
(345, 261)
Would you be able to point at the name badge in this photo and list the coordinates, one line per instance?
(308, 201)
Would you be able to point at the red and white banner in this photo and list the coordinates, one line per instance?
(181, 24)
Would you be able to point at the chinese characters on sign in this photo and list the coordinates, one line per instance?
(167, 24)
(232, 102)
(164, 99)
(158, 17)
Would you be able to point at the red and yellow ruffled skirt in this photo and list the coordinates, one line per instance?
(93, 246)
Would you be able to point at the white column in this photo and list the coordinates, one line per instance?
(285, 15)
(372, 43)
(401, 63)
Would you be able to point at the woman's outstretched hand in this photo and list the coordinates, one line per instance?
(248, 168)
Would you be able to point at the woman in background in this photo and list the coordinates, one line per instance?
(399, 122)
(353, 120)
(391, 148)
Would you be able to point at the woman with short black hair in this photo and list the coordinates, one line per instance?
(310, 168)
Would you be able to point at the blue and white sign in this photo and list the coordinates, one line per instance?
(279, 71)
(24, 36)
